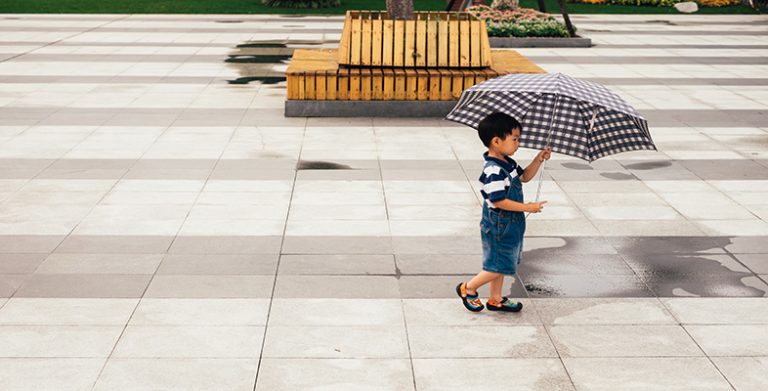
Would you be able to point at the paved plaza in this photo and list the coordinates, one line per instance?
(163, 226)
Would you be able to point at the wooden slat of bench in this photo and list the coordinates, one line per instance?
(377, 84)
(464, 39)
(320, 86)
(458, 83)
(410, 43)
(474, 43)
(345, 38)
(387, 42)
(423, 84)
(486, 49)
(330, 85)
(388, 84)
(411, 84)
(400, 84)
(309, 86)
(342, 84)
(366, 90)
(432, 40)
(434, 84)
(356, 41)
(453, 42)
(398, 58)
(365, 47)
(445, 84)
(421, 42)
(510, 61)
(442, 42)
(377, 29)
(354, 84)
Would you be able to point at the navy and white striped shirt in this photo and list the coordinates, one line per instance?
(496, 182)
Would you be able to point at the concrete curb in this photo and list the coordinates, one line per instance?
(372, 108)
(539, 42)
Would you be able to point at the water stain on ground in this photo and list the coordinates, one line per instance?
(649, 165)
(577, 166)
(687, 267)
(257, 58)
(268, 80)
(617, 176)
(320, 165)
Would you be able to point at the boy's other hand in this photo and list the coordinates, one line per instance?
(544, 154)
(536, 207)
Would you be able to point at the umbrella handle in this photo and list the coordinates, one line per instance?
(549, 136)
(538, 187)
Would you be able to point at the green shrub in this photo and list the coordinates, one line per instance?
(302, 3)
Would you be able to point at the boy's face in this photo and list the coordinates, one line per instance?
(508, 145)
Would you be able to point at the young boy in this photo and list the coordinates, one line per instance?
(503, 223)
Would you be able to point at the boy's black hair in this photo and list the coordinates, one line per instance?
(496, 125)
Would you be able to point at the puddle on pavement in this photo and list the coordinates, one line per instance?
(255, 62)
(320, 165)
(577, 166)
(267, 80)
(258, 59)
(617, 176)
(228, 21)
(648, 165)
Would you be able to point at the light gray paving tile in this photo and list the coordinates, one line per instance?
(350, 374)
(744, 373)
(342, 287)
(20, 263)
(64, 263)
(644, 373)
(747, 245)
(336, 312)
(575, 311)
(58, 341)
(212, 264)
(190, 341)
(210, 286)
(729, 310)
(757, 263)
(450, 312)
(72, 312)
(483, 374)
(623, 341)
(178, 374)
(71, 374)
(9, 283)
(731, 340)
(336, 342)
(337, 264)
(84, 285)
(337, 245)
(29, 243)
(106, 244)
(201, 312)
(225, 245)
(524, 341)
(438, 263)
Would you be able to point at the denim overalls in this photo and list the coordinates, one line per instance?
(502, 232)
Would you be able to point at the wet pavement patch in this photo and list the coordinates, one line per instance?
(319, 165)
(228, 21)
(648, 165)
(577, 166)
(269, 80)
(617, 176)
(257, 58)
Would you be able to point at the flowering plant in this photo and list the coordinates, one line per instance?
(521, 22)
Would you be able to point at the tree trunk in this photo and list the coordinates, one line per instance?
(400, 9)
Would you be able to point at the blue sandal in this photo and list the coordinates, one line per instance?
(505, 305)
(471, 302)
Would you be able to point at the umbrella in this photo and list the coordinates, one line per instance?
(571, 116)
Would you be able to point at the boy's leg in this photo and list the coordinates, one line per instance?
(481, 279)
(496, 287)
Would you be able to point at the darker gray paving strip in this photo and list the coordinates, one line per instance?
(283, 19)
(266, 117)
(111, 79)
(619, 60)
(589, 32)
(332, 28)
(679, 81)
(678, 46)
(84, 285)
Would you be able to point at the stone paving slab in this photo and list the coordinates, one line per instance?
(166, 227)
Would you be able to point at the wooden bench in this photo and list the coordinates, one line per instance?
(432, 58)
(314, 74)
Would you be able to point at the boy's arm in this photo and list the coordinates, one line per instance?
(514, 206)
(530, 171)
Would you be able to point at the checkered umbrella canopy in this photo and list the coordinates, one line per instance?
(573, 117)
